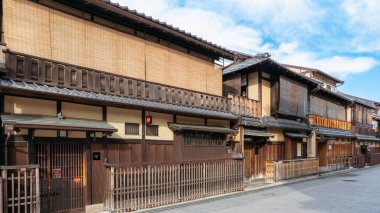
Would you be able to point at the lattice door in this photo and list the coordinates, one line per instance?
(62, 176)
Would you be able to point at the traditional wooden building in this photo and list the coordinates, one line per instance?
(272, 102)
(362, 125)
(330, 117)
(376, 120)
(89, 82)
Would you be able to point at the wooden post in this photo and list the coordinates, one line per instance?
(88, 169)
(1, 195)
(143, 142)
(5, 188)
(38, 208)
(112, 187)
(31, 153)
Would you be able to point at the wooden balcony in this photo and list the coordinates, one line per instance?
(31, 69)
(320, 121)
(244, 106)
(363, 129)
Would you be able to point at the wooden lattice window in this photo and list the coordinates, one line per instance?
(152, 130)
(132, 128)
(204, 139)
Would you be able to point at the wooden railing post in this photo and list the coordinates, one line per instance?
(38, 200)
(112, 187)
(5, 194)
(1, 195)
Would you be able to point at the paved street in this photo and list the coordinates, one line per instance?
(353, 192)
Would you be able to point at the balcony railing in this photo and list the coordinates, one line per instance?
(22, 67)
(320, 121)
(363, 129)
(244, 106)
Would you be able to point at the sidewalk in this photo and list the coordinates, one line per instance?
(253, 187)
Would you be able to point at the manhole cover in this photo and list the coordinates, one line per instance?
(349, 180)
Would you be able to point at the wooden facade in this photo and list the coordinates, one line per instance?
(80, 86)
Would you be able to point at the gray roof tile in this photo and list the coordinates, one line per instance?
(116, 99)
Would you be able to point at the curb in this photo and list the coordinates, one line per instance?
(252, 189)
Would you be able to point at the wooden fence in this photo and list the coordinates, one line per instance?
(339, 163)
(288, 169)
(131, 188)
(19, 189)
(359, 161)
(245, 106)
(373, 159)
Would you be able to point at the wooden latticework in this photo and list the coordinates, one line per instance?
(44, 32)
(317, 120)
(245, 106)
(288, 169)
(359, 161)
(338, 163)
(373, 159)
(139, 187)
(19, 189)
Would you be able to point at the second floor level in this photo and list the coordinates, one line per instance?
(107, 37)
(261, 87)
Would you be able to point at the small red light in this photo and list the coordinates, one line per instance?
(77, 180)
(148, 119)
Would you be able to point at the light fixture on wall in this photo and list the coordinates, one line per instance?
(17, 130)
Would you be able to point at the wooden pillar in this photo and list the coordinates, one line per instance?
(178, 146)
(312, 145)
(31, 149)
(288, 149)
(2, 136)
(143, 142)
(88, 189)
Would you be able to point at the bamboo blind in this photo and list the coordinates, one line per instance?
(293, 97)
(37, 30)
(26, 27)
(327, 109)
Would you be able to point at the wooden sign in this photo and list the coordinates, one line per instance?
(96, 156)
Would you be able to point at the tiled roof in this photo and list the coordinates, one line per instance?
(284, 123)
(315, 70)
(367, 138)
(334, 132)
(114, 99)
(361, 101)
(243, 64)
(47, 122)
(253, 122)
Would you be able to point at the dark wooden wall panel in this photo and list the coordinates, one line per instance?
(97, 174)
(276, 152)
(17, 153)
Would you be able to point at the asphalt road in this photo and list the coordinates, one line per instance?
(352, 192)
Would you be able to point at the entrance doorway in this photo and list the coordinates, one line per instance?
(61, 176)
(254, 161)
